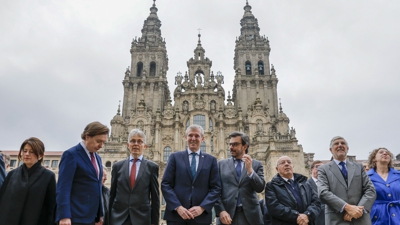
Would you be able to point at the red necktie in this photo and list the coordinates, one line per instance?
(133, 173)
(94, 163)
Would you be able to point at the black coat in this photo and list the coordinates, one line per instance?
(106, 202)
(282, 205)
(28, 197)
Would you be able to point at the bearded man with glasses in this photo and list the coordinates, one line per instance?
(242, 178)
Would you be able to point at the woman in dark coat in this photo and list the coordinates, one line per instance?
(28, 194)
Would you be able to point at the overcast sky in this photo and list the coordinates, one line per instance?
(62, 64)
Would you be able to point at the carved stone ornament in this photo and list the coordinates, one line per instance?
(168, 113)
(230, 113)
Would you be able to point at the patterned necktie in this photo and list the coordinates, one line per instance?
(239, 168)
(239, 174)
(193, 164)
(94, 163)
(344, 170)
(133, 173)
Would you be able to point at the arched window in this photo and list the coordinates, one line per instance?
(167, 153)
(139, 69)
(248, 68)
(152, 69)
(260, 68)
(108, 164)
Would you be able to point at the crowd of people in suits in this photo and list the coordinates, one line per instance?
(194, 185)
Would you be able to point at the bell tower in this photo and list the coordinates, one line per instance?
(251, 62)
(149, 66)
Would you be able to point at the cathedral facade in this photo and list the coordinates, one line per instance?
(198, 98)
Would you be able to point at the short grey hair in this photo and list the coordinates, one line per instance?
(243, 136)
(194, 127)
(277, 161)
(335, 138)
(137, 132)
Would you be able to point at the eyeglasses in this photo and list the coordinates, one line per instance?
(235, 144)
(139, 142)
(284, 162)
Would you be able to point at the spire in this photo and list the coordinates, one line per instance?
(199, 50)
(249, 23)
(119, 108)
(151, 32)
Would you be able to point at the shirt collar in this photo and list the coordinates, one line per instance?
(337, 161)
(287, 179)
(315, 179)
(131, 158)
(197, 152)
(84, 147)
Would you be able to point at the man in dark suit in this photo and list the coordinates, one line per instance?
(345, 188)
(79, 179)
(106, 198)
(134, 195)
(191, 183)
(241, 179)
(290, 199)
(313, 182)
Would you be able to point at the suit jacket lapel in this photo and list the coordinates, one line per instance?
(244, 172)
(231, 165)
(185, 158)
(337, 172)
(82, 153)
(201, 160)
(142, 168)
(125, 172)
(350, 171)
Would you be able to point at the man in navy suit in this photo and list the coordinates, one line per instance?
(191, 184)
(80, 175)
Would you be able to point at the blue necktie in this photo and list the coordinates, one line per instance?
(344, 170)
(239, 174)
(193, 164)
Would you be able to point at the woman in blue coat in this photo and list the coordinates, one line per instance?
(386, 209)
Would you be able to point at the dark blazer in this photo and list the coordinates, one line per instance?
(335, 192)
(28, 199)
(142, 203)
(246, 186)
(281, 203)
(106, 203)
(320, 220)
(79, 187)
(180, 189)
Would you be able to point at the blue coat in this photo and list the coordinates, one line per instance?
(180, 189)
(79, 190)
(387, 201)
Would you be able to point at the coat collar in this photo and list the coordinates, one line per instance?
(393, 175)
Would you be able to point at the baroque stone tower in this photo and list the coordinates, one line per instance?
(199, 98)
